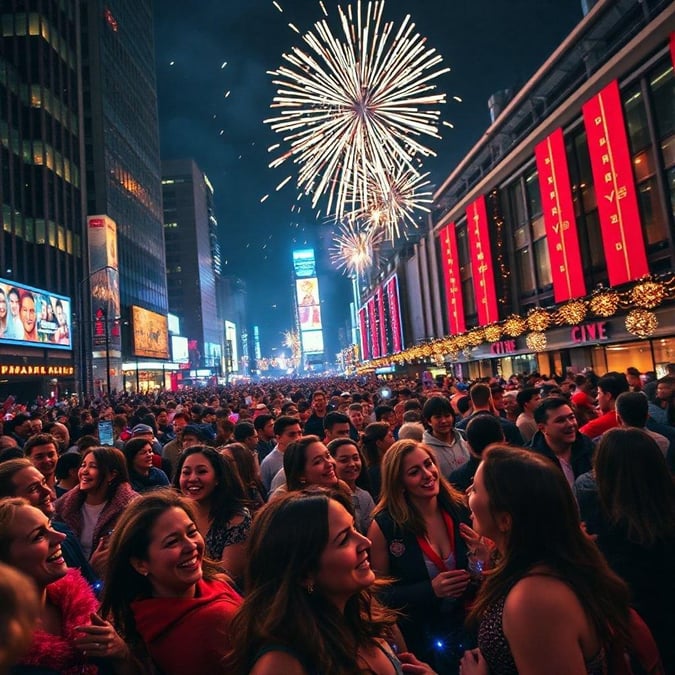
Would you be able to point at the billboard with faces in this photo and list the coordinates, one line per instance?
(33, 317)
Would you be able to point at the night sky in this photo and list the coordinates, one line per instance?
(214, 93)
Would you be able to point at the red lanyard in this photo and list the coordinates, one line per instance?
(430, 553)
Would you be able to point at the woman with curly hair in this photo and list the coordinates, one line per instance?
(308, 606)
(204, 476)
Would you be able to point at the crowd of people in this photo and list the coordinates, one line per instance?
(343, 526)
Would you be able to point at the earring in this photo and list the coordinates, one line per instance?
(310, 588)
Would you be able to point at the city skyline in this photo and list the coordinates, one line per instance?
(214, 92)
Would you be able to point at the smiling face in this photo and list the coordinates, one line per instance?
(344, 568)
(319, 466)
(14, 304)
(28, 314)
(173, 564)
(35, 548)
(3, 306)
(143, 460)
(419, 474)
(44, 458)
(348, 463)
(442, 424)
(197, 478)
(560, 428)
(92, 480)
(30, 484)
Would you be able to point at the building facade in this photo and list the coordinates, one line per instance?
(551, 244)
(123, 167)
(41, 192)
(193, 265)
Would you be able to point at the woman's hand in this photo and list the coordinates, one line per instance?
(99, 557)
(473, 663)
(411, 664)
(100, 640)
(450, 584)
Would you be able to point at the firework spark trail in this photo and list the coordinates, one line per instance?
(350, 106)
(354, 246)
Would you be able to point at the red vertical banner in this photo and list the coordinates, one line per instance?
(363, 324)
(672, 48)
(391, 288)
(372, 329)
(452, 280)
(561, 227)
(615, 192)
(481, 262)
(383, 322)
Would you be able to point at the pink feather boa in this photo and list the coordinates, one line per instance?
(76, 601)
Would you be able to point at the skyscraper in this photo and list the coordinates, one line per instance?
(193, 260)
(123, 170)
(41, 183)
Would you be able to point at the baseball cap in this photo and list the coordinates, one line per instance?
(581, 398)
(141, 429)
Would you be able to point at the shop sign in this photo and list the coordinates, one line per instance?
(36, 369)
(504, 347)
(618, 210)
(589, 332)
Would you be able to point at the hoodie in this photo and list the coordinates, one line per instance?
(188, 635)
(448, 456)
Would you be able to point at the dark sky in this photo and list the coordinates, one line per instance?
(489, 44)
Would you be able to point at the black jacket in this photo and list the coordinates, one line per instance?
(582, 452)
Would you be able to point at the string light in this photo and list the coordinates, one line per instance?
(648, 294)
(492, 333)
(641, 322)
(538, 319)
(515, 325)
(572, 313)
(536, 341)
(604, 302)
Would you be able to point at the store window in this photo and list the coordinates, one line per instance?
(664, 353)
(644, 166)
(629, 354)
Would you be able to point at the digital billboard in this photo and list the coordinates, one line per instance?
(309, 310)
(232, 353)
(312, 341)
(304, 263)
(150, 334)
(33, 317)
(179, 349)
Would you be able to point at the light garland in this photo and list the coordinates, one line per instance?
(641, 322)
(572, 313)
(515, 325)
(604, 303)
(538, 319)
(536, 341)
(648, 294)
(493, 333)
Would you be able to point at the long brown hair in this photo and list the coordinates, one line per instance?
(277, 608)
(546, 531)
(131, 539)
(626, 461)
(395, 499)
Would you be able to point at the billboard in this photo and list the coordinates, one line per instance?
(304, 263)
(309, 310)
(33, 317)
(312, 341)
(150, 334)
(231, 353)
(179, 349)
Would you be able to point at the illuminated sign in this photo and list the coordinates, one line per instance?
(561, 225)
(33, 317)
(150, 334)
(363, 324)
(395, 323)
(36, 369)
(312, 341)
(179, 349)
(174, 324)
(309, 310)
(452, 280)
(481, 262)
(503, 347)
(231, 353)
(590, 332)
(615, 192)
(304, 263)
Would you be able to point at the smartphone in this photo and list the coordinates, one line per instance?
(105, 432)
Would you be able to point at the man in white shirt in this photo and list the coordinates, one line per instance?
(286, 430)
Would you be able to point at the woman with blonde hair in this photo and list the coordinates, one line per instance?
(418, 538)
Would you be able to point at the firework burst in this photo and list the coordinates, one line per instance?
(354, 107)
(390, 209)
(354, 247)
(292, 341)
